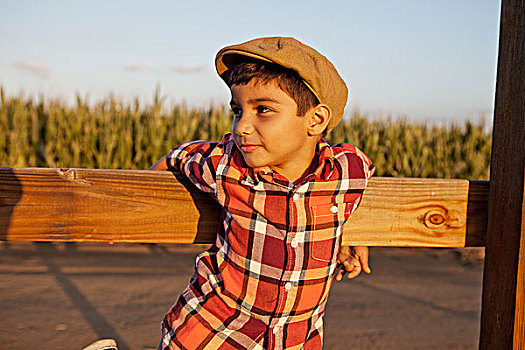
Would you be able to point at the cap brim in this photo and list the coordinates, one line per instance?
(230, 58)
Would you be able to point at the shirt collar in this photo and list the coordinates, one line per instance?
(325, 154)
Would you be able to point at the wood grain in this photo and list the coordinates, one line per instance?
(102, 205)
(38, 204)
(419, 212)
(503, 301)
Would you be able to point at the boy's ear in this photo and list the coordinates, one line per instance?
(318, 118)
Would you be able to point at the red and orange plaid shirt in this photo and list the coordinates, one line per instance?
(264, 283)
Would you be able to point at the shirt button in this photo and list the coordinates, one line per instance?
(333, 209)
(295, 197)
(294, 243)
(288, 286)
(275, 330)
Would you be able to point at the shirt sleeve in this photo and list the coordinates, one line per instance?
(197, 161)
(360, 166)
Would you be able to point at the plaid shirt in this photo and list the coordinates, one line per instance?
(264, 283)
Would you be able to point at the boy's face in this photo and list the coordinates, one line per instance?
(268, 131)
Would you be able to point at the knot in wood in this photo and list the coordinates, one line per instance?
(435, 218)
(72, 175)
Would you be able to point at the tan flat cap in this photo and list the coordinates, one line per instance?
(317, 72)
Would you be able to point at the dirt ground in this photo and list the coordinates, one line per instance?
(64, 296)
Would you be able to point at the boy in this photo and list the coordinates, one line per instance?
(285, 195)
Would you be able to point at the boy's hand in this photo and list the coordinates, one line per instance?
(352, 260)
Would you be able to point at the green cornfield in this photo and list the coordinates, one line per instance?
(111, 134)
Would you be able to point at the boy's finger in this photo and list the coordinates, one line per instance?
(366, 267)
(363, 258)
(345, 266)
(339, 272)
(339, 276)
(349, 266)
(353, 267)
(354, 272)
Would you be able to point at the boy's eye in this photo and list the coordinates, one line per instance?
(263, 109)
(236, 111)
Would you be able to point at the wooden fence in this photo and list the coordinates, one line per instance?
(149, 206)
(157, 207)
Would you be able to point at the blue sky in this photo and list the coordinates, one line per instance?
(430, 60)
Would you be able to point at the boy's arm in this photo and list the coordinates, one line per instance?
(197, 161)
(352, 260)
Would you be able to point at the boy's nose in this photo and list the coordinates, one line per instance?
(244, 126)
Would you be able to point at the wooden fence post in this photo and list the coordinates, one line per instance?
(503, 310)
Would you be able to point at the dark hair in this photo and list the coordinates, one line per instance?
(265, 72)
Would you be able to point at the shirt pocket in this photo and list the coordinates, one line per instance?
(327, 218)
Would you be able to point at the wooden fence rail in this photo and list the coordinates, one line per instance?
(39, 204)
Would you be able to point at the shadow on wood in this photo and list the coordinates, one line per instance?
(10, 194)
(209, 212)
(477, 213)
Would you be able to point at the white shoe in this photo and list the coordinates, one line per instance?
(102, 344)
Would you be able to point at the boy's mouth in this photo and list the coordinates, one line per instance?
(247, 148)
